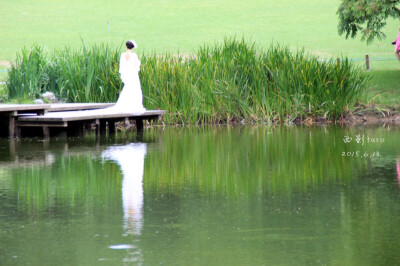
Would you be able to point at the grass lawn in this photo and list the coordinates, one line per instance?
(384, 88)
(181, 26)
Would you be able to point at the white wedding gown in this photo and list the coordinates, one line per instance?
(131, 97)
(130, 158)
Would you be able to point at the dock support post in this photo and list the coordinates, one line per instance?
(18, 132)
(11, 126)
(126, 122)
(97, 122)
(46, 132)
(75, 129)
(12, 149)
(80, 130)
(103, 127)
(111, 127)
(139, 124)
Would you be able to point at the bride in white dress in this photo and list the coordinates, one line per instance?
(131, 98)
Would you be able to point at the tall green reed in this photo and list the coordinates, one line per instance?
(86, 75)
(234, 81)
(89, 75)
(28, 75)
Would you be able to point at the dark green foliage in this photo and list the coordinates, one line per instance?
(366, 16)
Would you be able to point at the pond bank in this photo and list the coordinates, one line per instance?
(363, 115)
(375, 115)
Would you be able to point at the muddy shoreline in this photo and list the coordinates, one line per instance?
(368, 116)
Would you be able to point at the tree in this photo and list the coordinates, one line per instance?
(367, 17)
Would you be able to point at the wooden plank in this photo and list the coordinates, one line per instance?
(38, 111)
(53, 117)
(54, 107)
(33, 108)
(41, 124)
(60, 107)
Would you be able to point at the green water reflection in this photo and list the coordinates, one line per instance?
(215, 196)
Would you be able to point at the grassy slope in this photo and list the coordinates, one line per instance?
(183, 25)
(385, 84)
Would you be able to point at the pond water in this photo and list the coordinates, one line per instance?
(203, 196)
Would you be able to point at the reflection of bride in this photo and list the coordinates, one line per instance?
(131, 98)
(131, 160)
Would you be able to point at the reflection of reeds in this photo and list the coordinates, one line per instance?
(232, 162)
(234, 81)
(251, 162)
(76, 182)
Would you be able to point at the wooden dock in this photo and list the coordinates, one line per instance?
(10, 112)
(65, 119)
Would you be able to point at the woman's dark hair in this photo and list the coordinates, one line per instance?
(129, 45)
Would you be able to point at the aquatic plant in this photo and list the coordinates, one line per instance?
(86, 75)
(232, 82)
(236, 81)
(28, 74)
